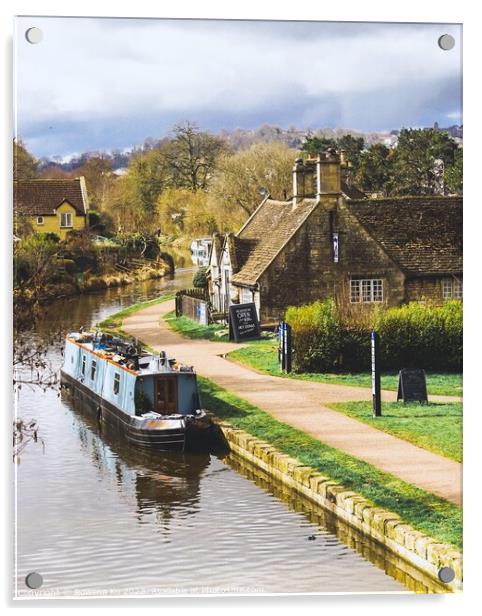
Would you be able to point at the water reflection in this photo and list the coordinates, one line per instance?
(159, 482)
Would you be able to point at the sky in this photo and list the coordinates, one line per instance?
(103, 84)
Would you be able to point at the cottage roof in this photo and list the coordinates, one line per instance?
(43, 197)
(423, 235)
(240, 249)
(267, 231)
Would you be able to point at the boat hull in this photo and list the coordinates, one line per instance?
(175, 435)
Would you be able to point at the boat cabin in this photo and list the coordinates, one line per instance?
(137, 382)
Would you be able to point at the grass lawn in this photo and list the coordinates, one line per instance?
(263, 356)
(436, 427)
(425, 512)
(191, 329)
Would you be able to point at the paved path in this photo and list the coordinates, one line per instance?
(301, 405)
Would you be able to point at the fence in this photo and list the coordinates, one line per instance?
(194, 304)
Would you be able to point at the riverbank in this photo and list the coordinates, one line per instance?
(99, 282)
(388, 529)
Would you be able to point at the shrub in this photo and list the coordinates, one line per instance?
(422, 336)
(51, 237)
(316, 336)
(414, 335)
(199, 280)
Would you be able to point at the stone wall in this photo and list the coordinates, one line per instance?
(420, 550)
(426, 288)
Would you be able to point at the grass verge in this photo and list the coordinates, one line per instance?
(425, 512)
(436, 427)
(264, 357)
(113, 323)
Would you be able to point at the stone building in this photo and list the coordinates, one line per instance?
(329, 240)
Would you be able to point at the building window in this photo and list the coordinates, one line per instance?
(366, 290)
(66, 219)
(93, 370)
(116, 383)
(452, 288)
(84, 361)
(40, 220)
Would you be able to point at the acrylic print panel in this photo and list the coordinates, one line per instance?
(166, 170)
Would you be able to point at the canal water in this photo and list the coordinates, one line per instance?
(96, 518)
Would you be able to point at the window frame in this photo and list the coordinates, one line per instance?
(366, 290)
(84, 365)
(116, 383)
(40, 220)
(68, 216)
(452, 288)
(93, 369)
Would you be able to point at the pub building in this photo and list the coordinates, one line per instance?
(330, 240)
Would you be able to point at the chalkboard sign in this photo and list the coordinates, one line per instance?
(243, 322)
(412, 386)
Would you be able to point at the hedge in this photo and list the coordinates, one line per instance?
(414, 335)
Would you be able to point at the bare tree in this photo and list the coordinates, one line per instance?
(191, 156)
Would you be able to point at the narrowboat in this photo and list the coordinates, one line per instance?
(149, 398)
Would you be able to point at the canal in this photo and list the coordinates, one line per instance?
(95, 517)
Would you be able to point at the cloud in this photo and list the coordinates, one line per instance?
(89, 72)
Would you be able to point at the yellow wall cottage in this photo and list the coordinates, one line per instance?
(52, 206)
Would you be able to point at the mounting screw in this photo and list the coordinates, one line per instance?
(34, 580)
(446, 575)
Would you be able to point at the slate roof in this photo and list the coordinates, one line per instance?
(43, 197)
(423, 235)
(265, 234)
(239, 250)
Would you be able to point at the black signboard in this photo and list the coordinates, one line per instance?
(243, 322)
(412, 386)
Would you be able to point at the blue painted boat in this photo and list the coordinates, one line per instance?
(150, 399)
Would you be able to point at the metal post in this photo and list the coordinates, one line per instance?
(285, 346)
(282, 345)
(288, 347)
(376, 389)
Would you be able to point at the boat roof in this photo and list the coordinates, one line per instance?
(126, 355)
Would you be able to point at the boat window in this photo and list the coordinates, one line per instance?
(93, 369)
(116, 383)
(84, 361)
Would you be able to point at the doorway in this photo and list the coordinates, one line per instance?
(166, 395)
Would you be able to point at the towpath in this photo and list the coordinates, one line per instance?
(302, 404)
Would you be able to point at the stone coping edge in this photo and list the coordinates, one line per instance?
(387, 528)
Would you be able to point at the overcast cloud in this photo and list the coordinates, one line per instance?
(110, 83)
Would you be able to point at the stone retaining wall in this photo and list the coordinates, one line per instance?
(387, 528)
